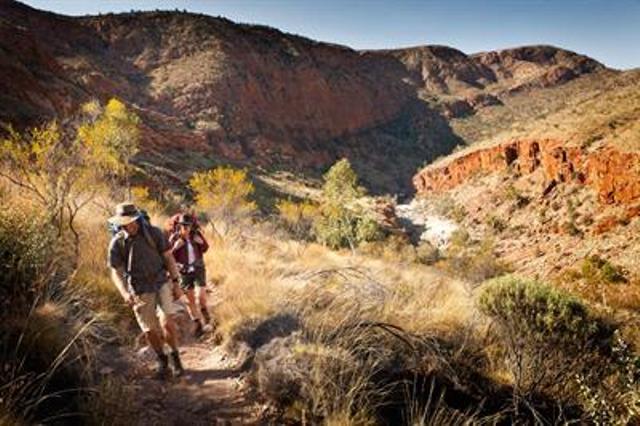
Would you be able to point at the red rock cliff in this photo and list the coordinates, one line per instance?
(615, 175)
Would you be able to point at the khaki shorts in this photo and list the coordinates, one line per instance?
(145, 311)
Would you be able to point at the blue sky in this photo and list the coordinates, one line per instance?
(608, 31)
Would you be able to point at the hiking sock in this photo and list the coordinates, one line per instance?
(163, 366)
(177, 364)
(198, 332)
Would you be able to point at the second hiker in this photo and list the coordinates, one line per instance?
(188, 245)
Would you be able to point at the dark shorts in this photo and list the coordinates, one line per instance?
(195, 278)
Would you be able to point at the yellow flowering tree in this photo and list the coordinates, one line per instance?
(111, 135)
(51, 169)
(224, 193)
(142, 197)
(62, 168)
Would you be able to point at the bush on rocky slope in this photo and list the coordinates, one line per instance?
(556, 346)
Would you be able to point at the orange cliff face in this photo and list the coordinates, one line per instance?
(613, 174)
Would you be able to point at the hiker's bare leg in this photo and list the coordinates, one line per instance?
(170, 332)
(155, 340)
(202, 301)
(167, 311)
(192, 309)
(202, 297)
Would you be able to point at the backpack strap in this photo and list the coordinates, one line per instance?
(127, 253)
(124, 252)
(150, 240)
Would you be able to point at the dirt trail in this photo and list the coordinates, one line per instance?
(211, 392)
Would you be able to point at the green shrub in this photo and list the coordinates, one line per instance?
(26, 249)
(536, 308)
(341, 223)
(597, 270)
(549, 335)
(367, 229)
(496, 224)
(427, 253)
(341, 183)
(339, 227)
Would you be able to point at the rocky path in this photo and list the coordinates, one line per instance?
(213, 390)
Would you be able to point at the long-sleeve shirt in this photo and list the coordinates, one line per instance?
(184, 256)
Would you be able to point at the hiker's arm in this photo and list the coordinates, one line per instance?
(117, 276)
(175, 241)
(201, 241)
(170, 263)
(116, 264)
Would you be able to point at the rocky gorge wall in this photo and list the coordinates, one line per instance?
(613, 174)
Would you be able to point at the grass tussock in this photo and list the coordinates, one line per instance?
(600, 281)
(337, 336)
(57, 312)
(472, 260)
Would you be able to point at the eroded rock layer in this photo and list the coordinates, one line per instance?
(614, 174)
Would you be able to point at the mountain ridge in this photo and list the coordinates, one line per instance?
(255, 95)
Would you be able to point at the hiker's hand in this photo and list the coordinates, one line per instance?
(198, 239)
(179, 243)
(131, 299)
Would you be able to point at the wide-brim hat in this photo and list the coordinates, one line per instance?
(126, 213)
(185, 219)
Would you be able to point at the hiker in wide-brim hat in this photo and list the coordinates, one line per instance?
(126, 213)
(140, 258)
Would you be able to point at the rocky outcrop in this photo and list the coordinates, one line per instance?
(613, 174)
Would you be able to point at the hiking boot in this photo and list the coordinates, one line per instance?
(162, 372)
(177, 364)
(198, 332)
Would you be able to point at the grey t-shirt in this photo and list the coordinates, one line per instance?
(143, 263)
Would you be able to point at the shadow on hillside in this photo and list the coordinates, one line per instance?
(387, 157)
